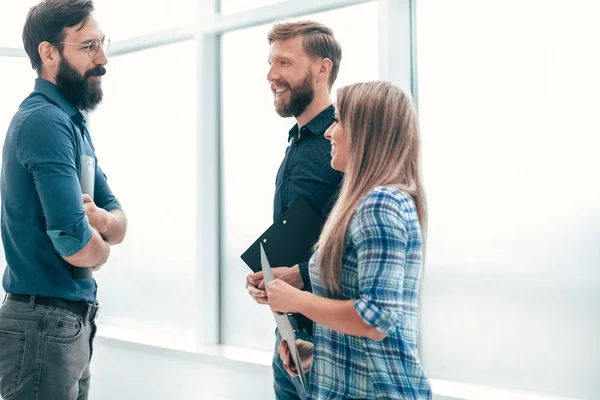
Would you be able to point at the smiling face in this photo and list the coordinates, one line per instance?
(339, 145)
(290, 76)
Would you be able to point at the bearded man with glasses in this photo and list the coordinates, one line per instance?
(59, 215)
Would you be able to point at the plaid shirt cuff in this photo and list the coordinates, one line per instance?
(383, 320)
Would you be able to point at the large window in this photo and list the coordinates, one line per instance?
(16, 80)
(121, 19)
(233, 6)
(254, 139)
(508, 106)
(145, 138)
(118, 19)
(12, 18)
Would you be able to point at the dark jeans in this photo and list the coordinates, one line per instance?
(45, 352)
(287, 387)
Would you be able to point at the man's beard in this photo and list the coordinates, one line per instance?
(83, 93)
(300, 97)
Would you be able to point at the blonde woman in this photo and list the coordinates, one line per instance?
(366, 273)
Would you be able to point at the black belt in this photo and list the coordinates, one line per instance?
(301, 323)
(81, 308)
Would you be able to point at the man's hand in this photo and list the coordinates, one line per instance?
(305, 351)
(290, 275)
(98, 217)
(106, 254)
(260, 296)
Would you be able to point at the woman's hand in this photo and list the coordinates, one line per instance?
(283, 297)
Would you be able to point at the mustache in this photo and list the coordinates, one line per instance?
(98, 71)
(280, 83)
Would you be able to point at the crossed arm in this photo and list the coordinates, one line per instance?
(80, 231)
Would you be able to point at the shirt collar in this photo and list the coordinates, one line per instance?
(317, 125)
(53, 93)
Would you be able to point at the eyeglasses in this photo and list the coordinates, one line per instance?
(92, 46)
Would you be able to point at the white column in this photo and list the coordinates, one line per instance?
(208, 196)
(397, 55)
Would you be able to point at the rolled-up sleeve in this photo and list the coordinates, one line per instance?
(380, 235)
(47, 148)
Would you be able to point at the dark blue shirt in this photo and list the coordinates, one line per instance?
(306, 172)
(43, 218)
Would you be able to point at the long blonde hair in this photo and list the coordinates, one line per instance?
(382, 137)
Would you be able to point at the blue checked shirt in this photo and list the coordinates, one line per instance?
(381, 272)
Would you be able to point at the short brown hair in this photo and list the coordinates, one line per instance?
(318, 41)
(47, 21)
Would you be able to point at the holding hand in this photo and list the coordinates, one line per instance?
(283, 297)
(98, 217)
(305, 350)
(255, 283)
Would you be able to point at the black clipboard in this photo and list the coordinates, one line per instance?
(289, 240)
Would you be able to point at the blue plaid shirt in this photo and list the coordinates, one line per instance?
(381, 272)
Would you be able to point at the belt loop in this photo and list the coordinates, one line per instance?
(31, 303)
(5, 297)
(88, 313)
